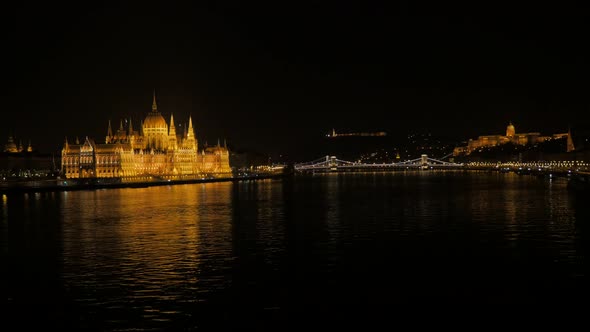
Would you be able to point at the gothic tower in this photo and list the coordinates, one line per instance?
(172, 140)
(191, 141)
(109, 137)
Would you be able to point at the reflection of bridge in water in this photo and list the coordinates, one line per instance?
(332, 163)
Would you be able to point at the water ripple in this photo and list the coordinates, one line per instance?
(180, 256)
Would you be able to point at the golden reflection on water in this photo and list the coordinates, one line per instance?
(153, 254)
(4, 207)
(149, 241)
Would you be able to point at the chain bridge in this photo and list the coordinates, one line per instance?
(332, 163)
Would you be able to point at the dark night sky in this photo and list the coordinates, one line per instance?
(277, 77)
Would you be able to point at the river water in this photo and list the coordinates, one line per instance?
(273, 254)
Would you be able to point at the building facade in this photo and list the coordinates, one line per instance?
(155, 150)
(511, 137)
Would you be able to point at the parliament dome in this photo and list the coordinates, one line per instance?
(155, 120)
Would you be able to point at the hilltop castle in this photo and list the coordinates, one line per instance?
(510, 137)
(155, 150)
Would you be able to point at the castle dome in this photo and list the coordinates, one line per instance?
(510, 130)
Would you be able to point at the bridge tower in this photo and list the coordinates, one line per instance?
(333, 163)
(424, 160)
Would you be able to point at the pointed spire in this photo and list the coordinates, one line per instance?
(154, 104)
(140, 127)
(110, 130)
(121, 125)
(190, 127)
(77, 140)
(130, 126)
(66, 144)
(218, 143)
(172, 131)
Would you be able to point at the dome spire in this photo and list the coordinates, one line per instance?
(154, 104)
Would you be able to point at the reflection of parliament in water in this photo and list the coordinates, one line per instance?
(156, 150)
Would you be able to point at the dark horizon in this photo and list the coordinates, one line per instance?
(275, 78)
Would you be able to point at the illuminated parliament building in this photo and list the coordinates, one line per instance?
(156, 150)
